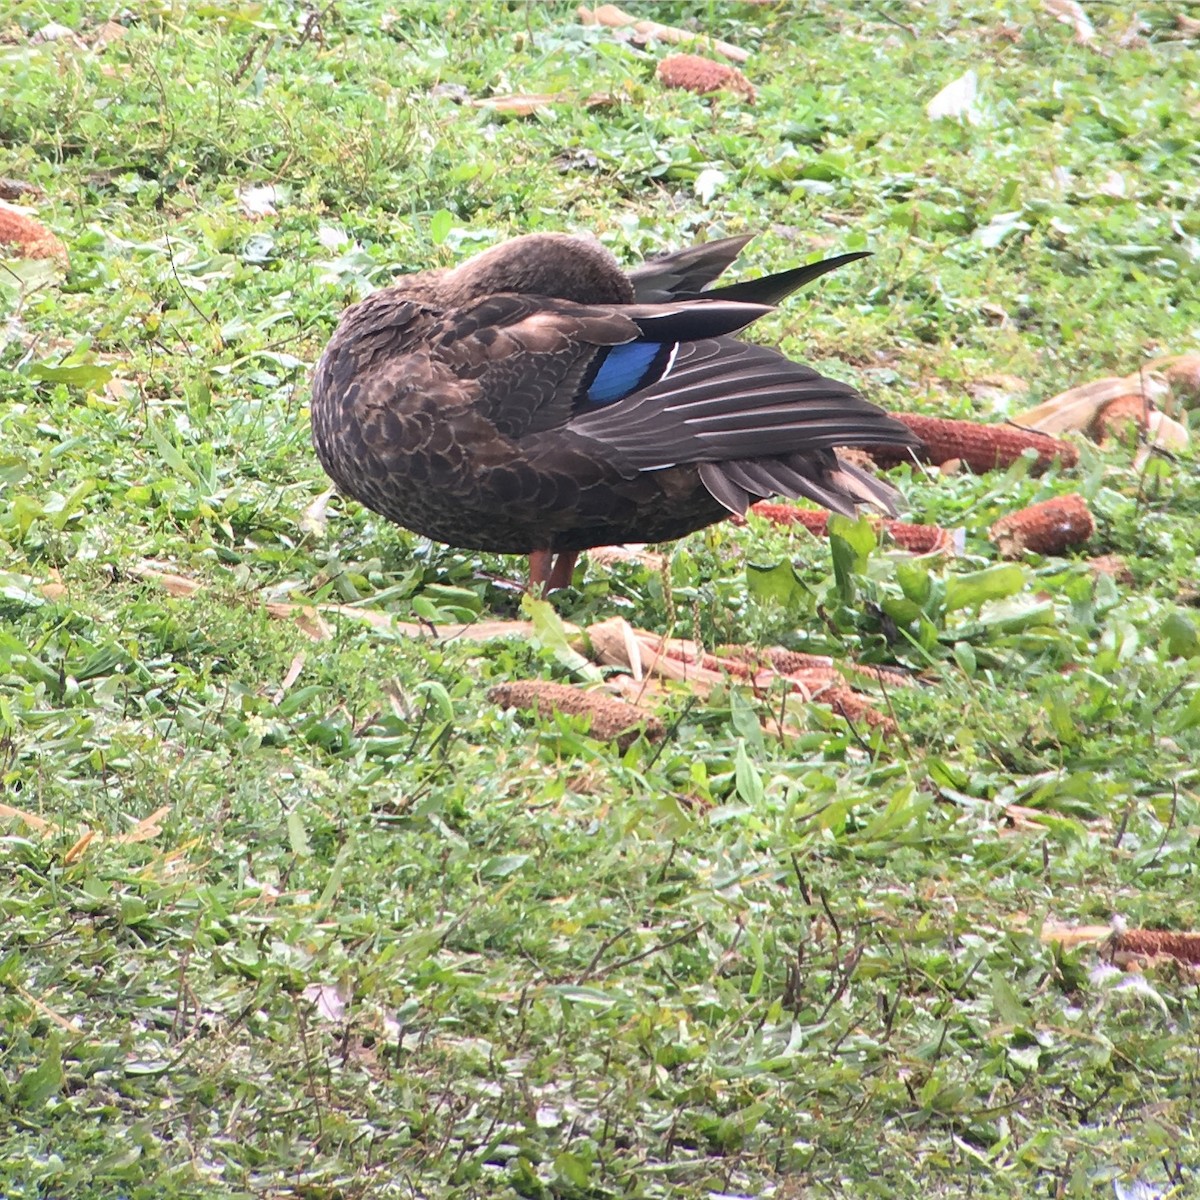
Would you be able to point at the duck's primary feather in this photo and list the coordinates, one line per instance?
(537, 399)
(688, 274)
(684, 273)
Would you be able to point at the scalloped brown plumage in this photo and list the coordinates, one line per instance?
(538, 400)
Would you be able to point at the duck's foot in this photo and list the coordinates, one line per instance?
(549, 572)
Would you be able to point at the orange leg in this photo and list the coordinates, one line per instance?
(549, 572)
(540, 562)
(564, 568)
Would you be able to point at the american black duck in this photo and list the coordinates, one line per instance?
(539, 400)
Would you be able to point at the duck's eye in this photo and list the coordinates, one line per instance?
(622, 370)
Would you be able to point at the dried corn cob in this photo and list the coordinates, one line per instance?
(853, 708)
(1115, 418)
(1153, 943)
(701, 75)
(856, 457)
(917, 539)
(1182, 373)
(819, 681)
(885, 675)
(1184, 377)
(1051, 527)
(795, 662)
(786, 662)
(607, 556)
(29, 238)
(980, 447)
(758, 666)
(710, 662)
(612, 16)
(612, 719)
(617, 643)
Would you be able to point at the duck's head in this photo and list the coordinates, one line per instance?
(543, 264)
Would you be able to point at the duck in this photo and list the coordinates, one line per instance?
(540, 400)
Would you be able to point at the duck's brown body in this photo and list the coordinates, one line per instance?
(524, 403)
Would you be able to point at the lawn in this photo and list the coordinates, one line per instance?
(290, 908)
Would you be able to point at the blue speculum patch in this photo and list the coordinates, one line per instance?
(627, 368)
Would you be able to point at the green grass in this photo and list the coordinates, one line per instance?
(388, 940)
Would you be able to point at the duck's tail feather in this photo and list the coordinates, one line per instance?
(821, 477)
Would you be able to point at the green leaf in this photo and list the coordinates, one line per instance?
(1181, 636)
(902, 610)
(746, 777)
(914, 580)
(24, 274)
(904, 808)
(13, 469)
(573, 1169)
(1001, 227)
(1190, 717)
(169, 453)
(297, 837)
(20, 589)
(333, 884)
(754, 988)
(425, 608)
(977, 587)
(1015, 615)
(89, 376)
(1028, 1058)
(45, 1080)
(964, 655)
(589, 996)
(447, 597)
(503, 865)
(1008, 1008)
(550, 633)
(744, 718)
(1059, 708)
(10, 964)
(437, 693)
(440, 225)
(851, 543)
(71, 503)
(778, 583)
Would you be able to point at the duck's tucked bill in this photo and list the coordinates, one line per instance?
(538, 400)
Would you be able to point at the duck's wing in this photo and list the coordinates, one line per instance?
(646, 387)
(753, 421)
(724, 398)
(684, 273)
